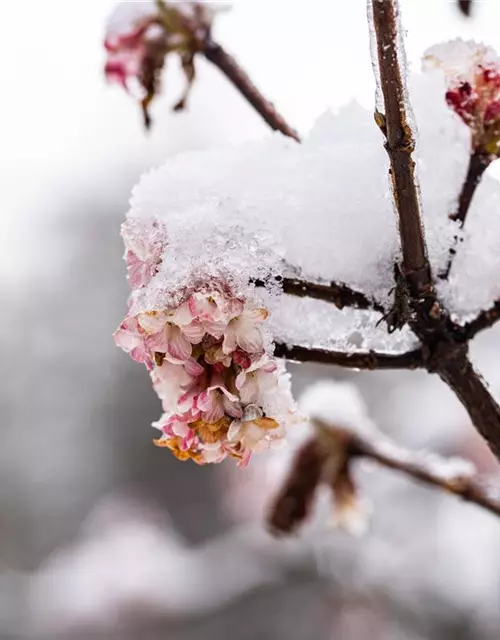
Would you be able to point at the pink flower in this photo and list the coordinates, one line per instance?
(473, 75)
(217, 401)
(129, 337)
(178, 426)
(145, 241)
(211, 373)
(142, 34)
(243, 332)
(163, 336)
(171, 383)
(258, 379)
(213, 311)
(136, 46)
(254, 433)
(213, 453)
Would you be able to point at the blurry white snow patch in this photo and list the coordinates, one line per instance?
(339, 404)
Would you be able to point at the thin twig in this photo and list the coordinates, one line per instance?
(339, 294)
(478, 164)
(424, 467)
(240, 79)
(465, 7)
(400, 145)
(415, 466)
(484, 320)
(369, 360)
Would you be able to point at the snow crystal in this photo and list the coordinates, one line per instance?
(339, 404)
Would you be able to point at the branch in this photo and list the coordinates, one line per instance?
(478, 164)
(426, 468)
(465, 7)
(400, 145)
(484, 320)
(231, 69)
(327, 459)
(446, 474)
(484, 412)
(354, 360)
(340, 294)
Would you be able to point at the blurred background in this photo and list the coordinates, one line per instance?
(103, 535)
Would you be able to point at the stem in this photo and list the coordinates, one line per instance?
(478, 164)
(341, 295)
(465, 7)
(416, 466)
(400, 145)
(483, 410)
(484, 320)
(355, 360)
(231, 69)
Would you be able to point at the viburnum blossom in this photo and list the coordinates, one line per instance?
(139, 37)
(210, 369)
(144, 243)
(473, 74)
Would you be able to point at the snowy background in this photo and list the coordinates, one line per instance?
(104, 536)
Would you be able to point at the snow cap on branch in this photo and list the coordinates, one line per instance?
(339, 404)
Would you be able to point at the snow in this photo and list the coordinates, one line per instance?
(339, 404)
(458, 58)
(322, 209)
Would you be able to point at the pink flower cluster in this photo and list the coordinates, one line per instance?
(210, 369)
(478, 105)
(127, 51)
(140, 37)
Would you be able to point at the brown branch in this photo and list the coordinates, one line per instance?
(483, 410)
(240, 79)
(341, 295)
(465, 7)
(417, 467)
(484, 320)
(478, 164)
(327, 458)
(354, 360)
(400, 145)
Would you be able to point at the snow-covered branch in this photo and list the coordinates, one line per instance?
(484, 320)
(339, 294)
(344, 434)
